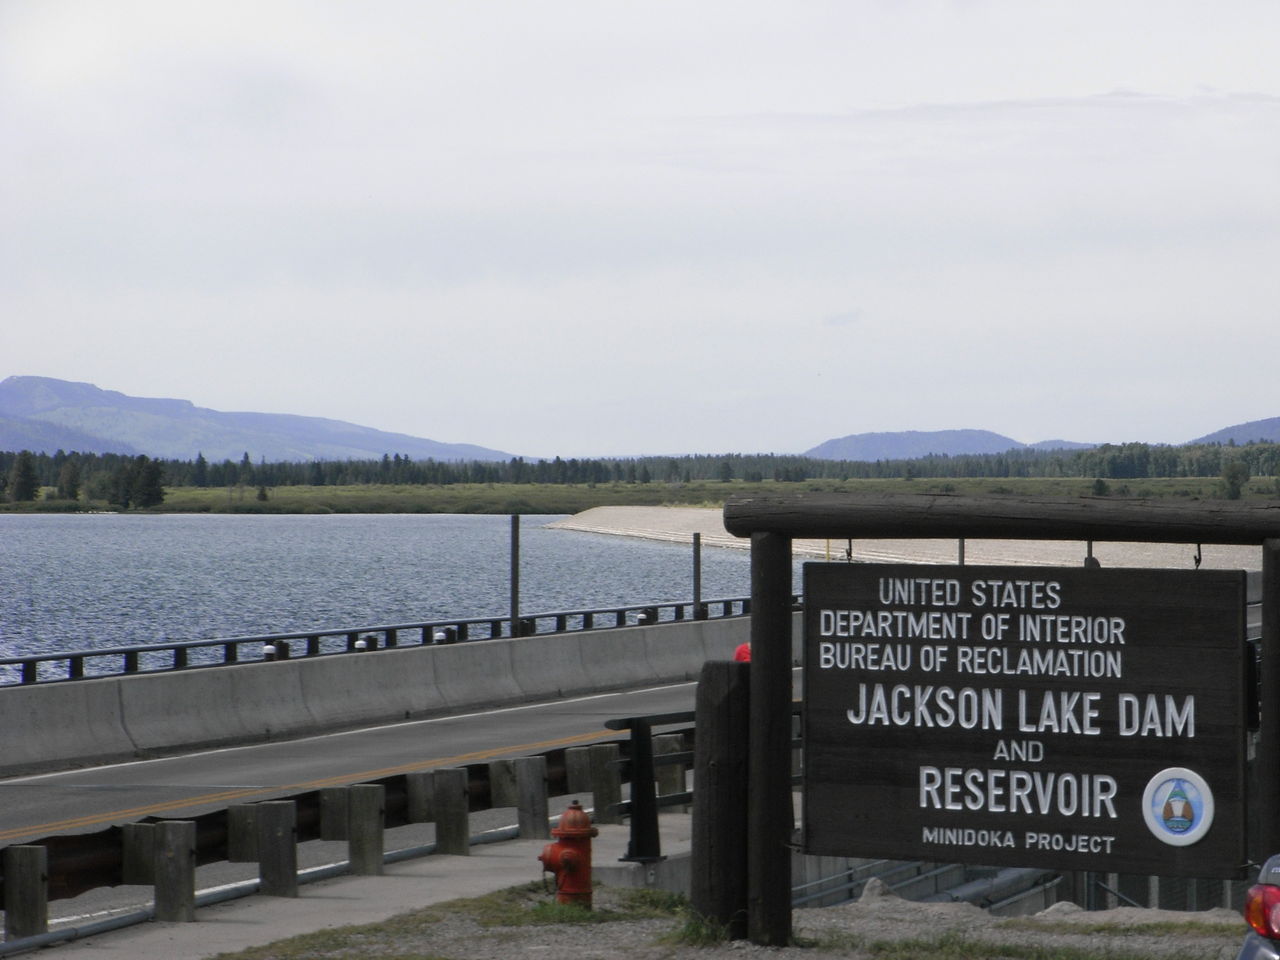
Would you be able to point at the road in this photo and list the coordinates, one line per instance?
(90, 799)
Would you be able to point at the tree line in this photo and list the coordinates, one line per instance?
(125, 481)
(121, 481)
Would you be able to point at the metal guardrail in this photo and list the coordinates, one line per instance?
(226, 651)
(81, 862)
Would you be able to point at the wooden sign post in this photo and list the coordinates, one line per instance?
(772, 522)
(769, 818)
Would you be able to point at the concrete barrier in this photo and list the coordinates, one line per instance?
(667, 660)
(62, 724)
(547, 666)
(721, 637)
(203, 707)
(616, 658)
(67, 723)
(478, 672)
(337, 689)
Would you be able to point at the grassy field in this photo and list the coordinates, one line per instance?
(565, 498)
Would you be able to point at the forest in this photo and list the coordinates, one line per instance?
(138, 481)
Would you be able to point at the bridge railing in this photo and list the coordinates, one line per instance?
(63, 665)
(77, 863)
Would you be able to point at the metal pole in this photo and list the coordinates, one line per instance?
(770, 819)
(515, 575)
(697, 576)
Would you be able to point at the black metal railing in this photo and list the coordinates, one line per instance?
(642, 809)
(64, 665)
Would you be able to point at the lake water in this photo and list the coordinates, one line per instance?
(106, 580)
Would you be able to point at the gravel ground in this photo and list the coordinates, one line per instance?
(860, 929)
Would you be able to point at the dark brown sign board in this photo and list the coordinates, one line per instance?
(1071, 719)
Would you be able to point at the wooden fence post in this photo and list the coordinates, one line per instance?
(577, 763)
(365, 828)
(502, 784)
(606, 782)
(531, 790)
(417, 787)
(242, 833)
(718, 885)
(671, 776)
(175, 871)
(276, 824)
(26, 892)
(334, 814)
(453, 822)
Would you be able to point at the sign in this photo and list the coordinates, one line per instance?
(1072, 719)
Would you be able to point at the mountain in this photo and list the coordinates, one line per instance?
(34, 435)
(44, 415)
(1268, 430)
(1058, 445)
(910, 444)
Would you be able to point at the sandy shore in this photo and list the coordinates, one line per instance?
(678, 524)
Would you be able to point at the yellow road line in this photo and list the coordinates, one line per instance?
(135, 813)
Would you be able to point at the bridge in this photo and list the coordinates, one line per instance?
(175, 702)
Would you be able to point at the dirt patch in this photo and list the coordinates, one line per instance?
(879, 925)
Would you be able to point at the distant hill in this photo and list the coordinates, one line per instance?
(44, 415)
(19, 434)
(1268, 430)
(1059, 445)
(911, 444)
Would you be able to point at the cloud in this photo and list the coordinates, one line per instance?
(513, 211)
(849, 318)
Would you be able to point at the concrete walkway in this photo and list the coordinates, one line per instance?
(404, 886)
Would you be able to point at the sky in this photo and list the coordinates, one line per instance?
(600, 228)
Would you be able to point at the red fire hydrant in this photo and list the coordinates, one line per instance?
(569, 858)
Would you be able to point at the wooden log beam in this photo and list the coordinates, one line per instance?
(770, 822)
(1267, 764)
(943, 516)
